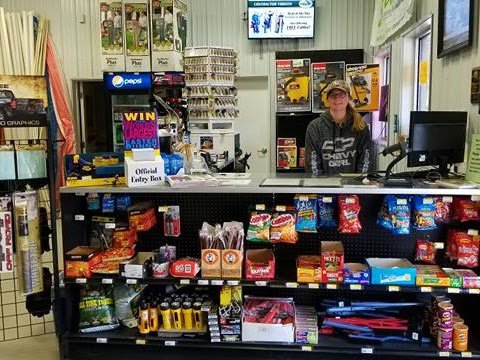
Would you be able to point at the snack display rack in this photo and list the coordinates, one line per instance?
(232, 203)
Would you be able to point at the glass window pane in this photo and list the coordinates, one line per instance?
(423, 71)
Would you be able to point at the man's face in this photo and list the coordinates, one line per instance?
(338, 100)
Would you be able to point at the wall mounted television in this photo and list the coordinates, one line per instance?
(281, 19)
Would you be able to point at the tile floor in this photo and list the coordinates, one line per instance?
(32, 348)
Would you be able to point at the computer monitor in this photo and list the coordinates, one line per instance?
(437, 138)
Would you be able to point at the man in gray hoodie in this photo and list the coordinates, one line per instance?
(338, 141)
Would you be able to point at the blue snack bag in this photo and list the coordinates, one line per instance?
(306, 209)
(399, 209)
(326, 212)
(424, 213)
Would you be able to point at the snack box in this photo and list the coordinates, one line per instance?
(356, 273)
(232, 261)
(80, 260)
(286, 142)
(185, 268)
(211, 263)
(286, 156)
(455, 279)
(332, 260)
(259, 264)
(470, 279)
(391, 271)
(431, 275)
(309, 269)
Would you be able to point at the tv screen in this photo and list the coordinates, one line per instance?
(281, 19)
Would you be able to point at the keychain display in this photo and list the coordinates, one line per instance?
(349, 210)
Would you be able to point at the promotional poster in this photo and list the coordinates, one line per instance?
(322, 75)
(111, 36)
(6, 235)
(293, 85)
(364, 81)
(140, 130)
(137, 35)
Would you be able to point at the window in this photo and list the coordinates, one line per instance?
(422, 76)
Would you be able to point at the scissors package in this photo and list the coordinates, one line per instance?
(259, 264)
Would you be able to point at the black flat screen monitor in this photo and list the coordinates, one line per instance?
(437, 138)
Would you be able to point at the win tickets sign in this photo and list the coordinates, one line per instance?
(140, 130)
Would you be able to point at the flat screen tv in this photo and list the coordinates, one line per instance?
(281, 19)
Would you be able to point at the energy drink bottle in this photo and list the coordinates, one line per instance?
(197, 315)
(143, 323)
(176, 310)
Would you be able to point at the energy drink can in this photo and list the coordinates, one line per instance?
(460, 337)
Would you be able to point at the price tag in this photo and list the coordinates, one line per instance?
(332, 286)
(427, 201)
(327, 199)
(367, 350)
(81, 281)
(170, 343)
(439, 245)
(341, 304)
(444, 354)
(291, 284)
(79, 194)
(233, 282)
(350, 200)
(306, 348)
(163, 209)
(260, 207)
(426, 289)
(447, 199)
(475, 197)
(394, 288)
(205, 308)
(474, 291)
(184, 281)
(140, 341)
(453, 290)
(260, 283)
(202, 282)
(102, 340)
(401, 201)
(415, 336)
(217, 282)
(79, 217)
(281, 208)
(313, 286)
(109, 225)
(215, 340)
(131, 281)
(107, 281)
(356, 287)
(472, 232)
(466, 354)
(303, 198)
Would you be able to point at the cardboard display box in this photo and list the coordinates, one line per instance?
(135, 268)
(211, 263)
(260, 264)
(309, 269)
(80, 260)
(332, 260)
(431, 275)
(391, 271)
(232, 264)
(355, 273)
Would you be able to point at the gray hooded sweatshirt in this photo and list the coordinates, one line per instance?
(331, 149)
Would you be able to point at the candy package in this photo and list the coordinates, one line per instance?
(349, 210)
(467, 251)
(424, 213)
(425, 252)
(466, 210)
(282, 228)
(395, 214)
(259, 227)
(306, 211)
(326, 212)
(442, 209)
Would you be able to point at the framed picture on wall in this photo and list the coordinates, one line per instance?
(455, 25)
(475, 86)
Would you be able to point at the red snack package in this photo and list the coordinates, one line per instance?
(282, 228)
(442, 209)
(425, 251)
(349, 209)
(467, 250)
(465, 210)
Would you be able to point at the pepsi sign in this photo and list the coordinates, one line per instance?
(128, 81)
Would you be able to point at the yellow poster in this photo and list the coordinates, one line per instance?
(423, 73)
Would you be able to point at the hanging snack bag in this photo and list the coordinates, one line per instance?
(465, 210)
(349, 210)
(467, 251)
(395, 214)
(326, 212)
(306, 211)
(425, 252)
(97, 310)
(259, 227)
(424, 213)
(282, 229)
(442, 209)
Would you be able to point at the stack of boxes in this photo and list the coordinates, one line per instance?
(210, 74)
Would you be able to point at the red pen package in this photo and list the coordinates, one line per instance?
(349, 210)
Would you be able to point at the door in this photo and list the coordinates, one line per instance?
(253, 122)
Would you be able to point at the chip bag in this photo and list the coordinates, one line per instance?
(425, 252)
(467, 251)
(326, 212)
(282, 229)
(306, 213)
(424, 213)
(259, 227)
(349, 210)
(442, 210)
(395, 214)
(465, 210)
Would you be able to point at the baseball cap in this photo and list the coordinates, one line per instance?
(338, 85)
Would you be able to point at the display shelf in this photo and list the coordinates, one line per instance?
(327, 344)
(290, 169)
(284, 284)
